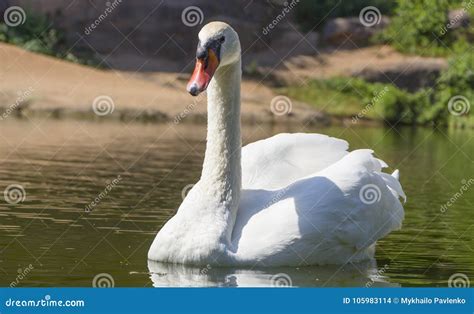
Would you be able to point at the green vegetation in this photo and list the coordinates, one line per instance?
(313, 14)
(423, 27)
(448, 103)
(457, 80)
(417, 27)
(38, 35)
(362, 100)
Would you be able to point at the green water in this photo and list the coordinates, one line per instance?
(50, 239)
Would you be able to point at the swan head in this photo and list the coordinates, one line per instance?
(218, 46)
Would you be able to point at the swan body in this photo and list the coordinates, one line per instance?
(292, 199)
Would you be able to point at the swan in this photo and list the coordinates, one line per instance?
(289, 200)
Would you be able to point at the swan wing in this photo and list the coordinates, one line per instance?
(331, 217)
(277, 161)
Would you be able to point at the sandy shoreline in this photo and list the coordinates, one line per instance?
(37, 85)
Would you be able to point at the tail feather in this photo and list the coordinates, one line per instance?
(396, 175)
(393, 184)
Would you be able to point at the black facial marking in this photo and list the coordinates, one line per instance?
(214, 44)
(201, 52)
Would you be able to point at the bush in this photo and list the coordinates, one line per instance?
(421, 27)
(37, 35)
(360, 99)
(312, 14)
(456, 81)
(389, 103)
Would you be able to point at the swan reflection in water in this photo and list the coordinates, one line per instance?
(365, 274)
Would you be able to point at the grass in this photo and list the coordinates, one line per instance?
(358, 99)
(321, 95)
(354, 97)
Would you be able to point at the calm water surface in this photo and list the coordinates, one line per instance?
(50, 239)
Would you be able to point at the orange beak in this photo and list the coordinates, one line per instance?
(203, 72)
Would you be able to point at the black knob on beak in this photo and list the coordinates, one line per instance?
(193, 90)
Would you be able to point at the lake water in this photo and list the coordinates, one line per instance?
(51, 238)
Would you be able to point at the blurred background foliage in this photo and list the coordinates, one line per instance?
(421, 27)
(312, 15)
(38, 34)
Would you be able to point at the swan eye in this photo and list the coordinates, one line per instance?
(222, 39)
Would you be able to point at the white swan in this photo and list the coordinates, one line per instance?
(292, 199)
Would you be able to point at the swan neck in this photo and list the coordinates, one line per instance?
(222, 162)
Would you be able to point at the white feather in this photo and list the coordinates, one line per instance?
(292, 199)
